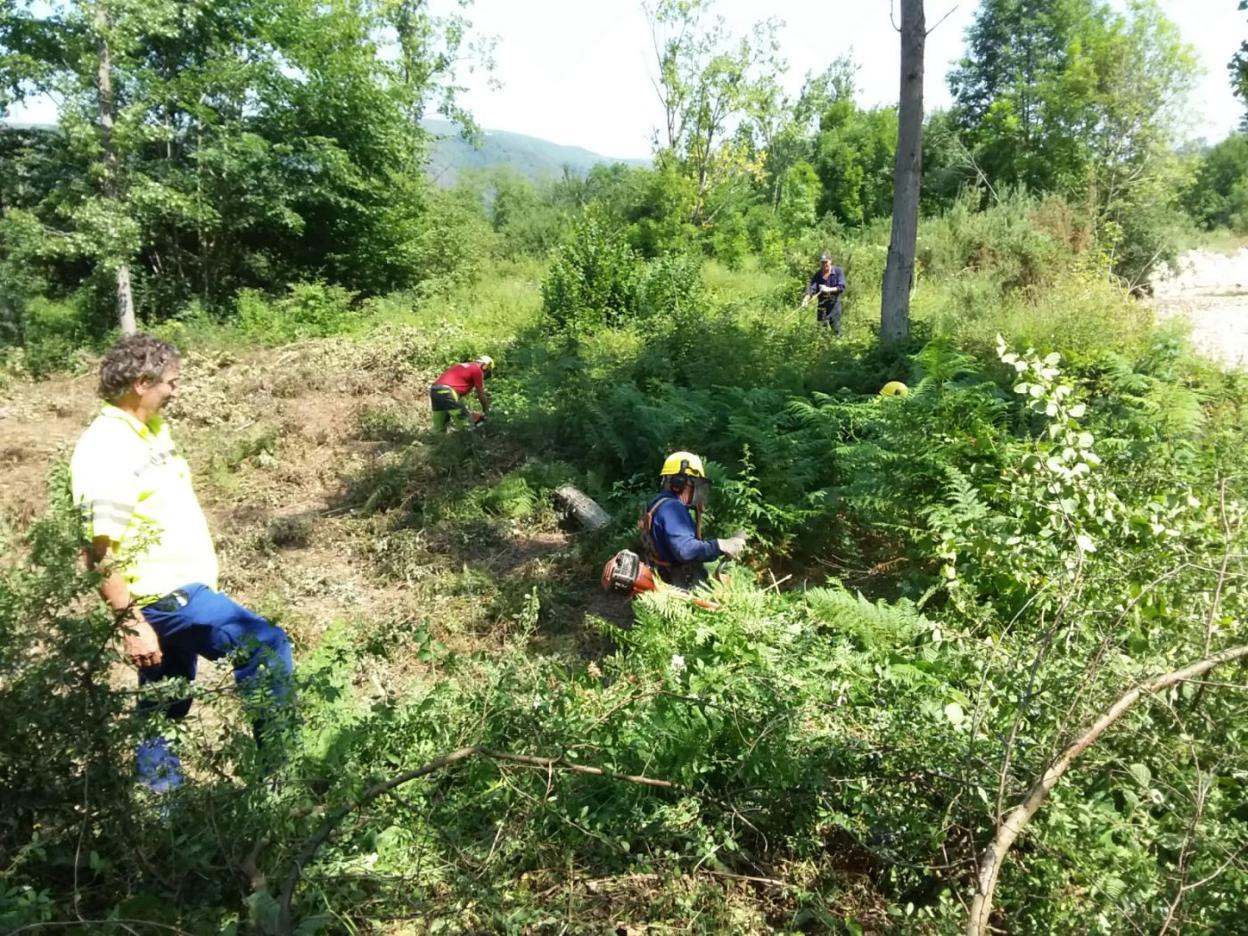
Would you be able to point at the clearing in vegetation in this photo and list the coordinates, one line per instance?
(982, 666)
(948, 587)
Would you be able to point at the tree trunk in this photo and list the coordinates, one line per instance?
(104, 79)
(1009, 829)
(125, 301)
(899, 273)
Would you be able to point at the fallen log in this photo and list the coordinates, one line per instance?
(586, 510)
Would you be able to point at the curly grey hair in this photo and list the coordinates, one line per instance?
(131, 359)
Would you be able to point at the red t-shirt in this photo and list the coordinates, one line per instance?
(462, 377)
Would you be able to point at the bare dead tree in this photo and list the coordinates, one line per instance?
(907, 171)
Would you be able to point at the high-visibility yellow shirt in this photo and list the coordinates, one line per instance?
(133, 487)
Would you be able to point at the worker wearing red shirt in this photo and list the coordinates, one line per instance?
(446, 394)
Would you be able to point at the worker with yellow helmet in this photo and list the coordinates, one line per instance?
(671, 533)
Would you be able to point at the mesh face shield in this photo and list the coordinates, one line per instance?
(701, 493)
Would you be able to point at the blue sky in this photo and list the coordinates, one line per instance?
(580, 72)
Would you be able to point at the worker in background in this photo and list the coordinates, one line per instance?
(828, 285)
(671, 526)
(447, 393)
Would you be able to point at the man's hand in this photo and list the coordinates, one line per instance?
(142, 647)
(733, 546)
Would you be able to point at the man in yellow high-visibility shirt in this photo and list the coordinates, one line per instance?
(150, 541)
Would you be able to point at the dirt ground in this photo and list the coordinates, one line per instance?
(276, 440)
(1210, 292)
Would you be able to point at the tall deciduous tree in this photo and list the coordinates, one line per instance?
(110, 181)
(854, 156)
(1078, 98)
(1005, 89)
(1218, 196)
(899, 272)
(708, 82)
(237, 143)
(1053, 92)
(1239, 72)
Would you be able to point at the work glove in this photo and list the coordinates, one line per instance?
(733, 546)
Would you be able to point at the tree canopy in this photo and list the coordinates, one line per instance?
(254, 142)
(1238, 68)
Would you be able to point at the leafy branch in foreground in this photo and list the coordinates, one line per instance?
(994, 855)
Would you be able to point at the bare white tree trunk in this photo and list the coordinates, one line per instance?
(899, 273)
(104, 79)
(125, 301)
(992, 857)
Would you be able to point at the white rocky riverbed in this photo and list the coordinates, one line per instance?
(1210, 291)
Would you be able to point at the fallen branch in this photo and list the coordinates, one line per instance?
(991, 858)
(446, 760)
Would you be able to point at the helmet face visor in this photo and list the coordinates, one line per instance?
(701, 492)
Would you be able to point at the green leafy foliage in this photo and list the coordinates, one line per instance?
(251, 144)
(988, 562)
(593, 280)
(1238, 67)
(308, 310)
(940, 591)
(1218, 196)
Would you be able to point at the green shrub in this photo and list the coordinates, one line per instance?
(66, 735)
(1218, 194)
(1001, 238)
(593, 280)
(54, 333)
(389, 422)
(671, 285)
(308, 310)
(290, 532)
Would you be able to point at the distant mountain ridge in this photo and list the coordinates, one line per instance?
(450, 154)
(531, 156)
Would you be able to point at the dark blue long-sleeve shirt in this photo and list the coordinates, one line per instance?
(827, 301)
(675, 535)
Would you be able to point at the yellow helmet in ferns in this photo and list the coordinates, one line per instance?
(683, 463)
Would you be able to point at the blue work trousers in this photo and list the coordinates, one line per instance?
(196, 621)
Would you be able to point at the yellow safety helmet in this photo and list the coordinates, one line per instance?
(894, 388)
(683, 463)
(487, 364)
